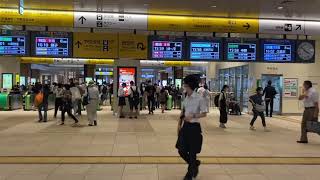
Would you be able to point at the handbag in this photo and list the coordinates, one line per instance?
(38, 99)
(259, 107)
(313, 126)
(86, 98)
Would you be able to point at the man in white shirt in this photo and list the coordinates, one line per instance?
(76, 98)
(134, 99)
(189, 142)
(310, 99)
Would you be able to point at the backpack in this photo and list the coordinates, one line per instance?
(216, 100)
(135, 95)
(38, 99)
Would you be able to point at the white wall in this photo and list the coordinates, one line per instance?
(9, 65)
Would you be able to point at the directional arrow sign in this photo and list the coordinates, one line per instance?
(298, 27)
(82, 19)
(247, 26)
(78, 44)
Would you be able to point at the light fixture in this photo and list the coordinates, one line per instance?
(145, 4)
(280, 7)
(213, 6)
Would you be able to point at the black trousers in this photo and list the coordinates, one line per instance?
(223, 115)
(151, 104)
(189, 144)
(68, 111)
(269, 102)
(57, 104)
(255, 116)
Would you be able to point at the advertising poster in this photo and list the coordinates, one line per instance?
(126, 74)
(7, 81)
(290, 87)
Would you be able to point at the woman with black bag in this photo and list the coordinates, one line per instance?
(258, 109)
(67, 105)
(190, 138)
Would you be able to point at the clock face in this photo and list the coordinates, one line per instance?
(306, 51)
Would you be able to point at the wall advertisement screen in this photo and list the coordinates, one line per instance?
(51, 44)
(7, 80)
(126, 75)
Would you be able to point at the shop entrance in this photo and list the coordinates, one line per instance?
(277, 82)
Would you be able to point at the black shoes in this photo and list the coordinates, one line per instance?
(95, 123)
(196, 171)
(121, 117)
(302, 142)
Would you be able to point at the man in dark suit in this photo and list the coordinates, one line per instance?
(269, 93)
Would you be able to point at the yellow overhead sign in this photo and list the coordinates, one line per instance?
(36, 60)
(177, 63)
(95, 45)
(202, 24)
(133, 46)
(36, 18)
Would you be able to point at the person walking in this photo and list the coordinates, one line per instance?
(190, 138)
(258, 109)
(93, 96)
(223, 108)
(67, 105)
(310, 99)
(58, 90)
(269, 93)
(205, 93)
(163, 97)
(121, 99)
(150, 89)
(43, 106)
(76, 98)
(134, 99)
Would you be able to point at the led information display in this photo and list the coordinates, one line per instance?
(52, 44)
(47, 46)
(205, 50)
(14, 43)
(241, 51)
(167, 50)
(278, 50)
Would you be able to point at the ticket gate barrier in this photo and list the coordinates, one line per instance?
(9, 102)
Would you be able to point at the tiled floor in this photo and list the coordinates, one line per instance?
(149, 141)
(156, 172)
(150, 135)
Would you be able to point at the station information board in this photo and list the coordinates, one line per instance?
(14, 43)
(205, 48)
(241, 50)
(52, 44)
(166, 50)
(278, 50)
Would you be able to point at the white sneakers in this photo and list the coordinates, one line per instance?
(252, 128)
(222, 126)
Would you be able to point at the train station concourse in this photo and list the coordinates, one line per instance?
(159, 90)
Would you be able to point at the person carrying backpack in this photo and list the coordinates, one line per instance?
(134, 99)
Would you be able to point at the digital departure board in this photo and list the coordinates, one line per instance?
(14, 43)
(48, 46)
(242, 51)
(167, 50)
(278, 50)
(52, 44)
(204, 50)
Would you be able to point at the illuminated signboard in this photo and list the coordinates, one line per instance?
(126, 75)
(205, 50)
(14, 43)
(7, 80)
(52, 44)
(166, 48)
(278, 50)
(241, 50)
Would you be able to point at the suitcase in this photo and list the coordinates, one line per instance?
(313, 126)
